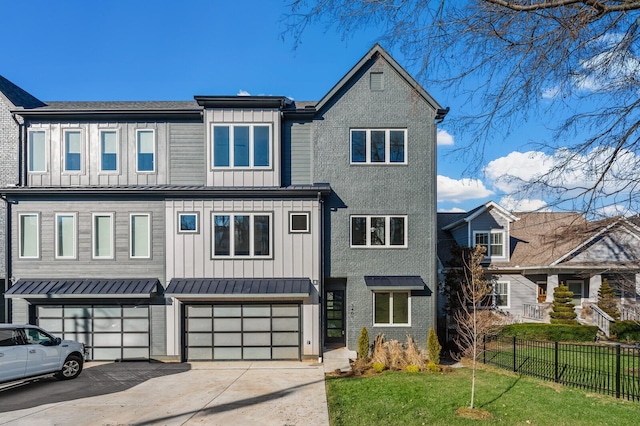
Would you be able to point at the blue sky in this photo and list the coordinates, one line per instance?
(173, 50)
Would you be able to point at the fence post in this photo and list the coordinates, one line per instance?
(514, 354)
(618, 370)
(555, 361)
(484, 349)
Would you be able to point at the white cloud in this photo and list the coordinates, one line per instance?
(460, 190)
(444, 138)
(507, 173)
(452, 210)
(514, 204)
(551, 92)
(243, 93)
(615, 210)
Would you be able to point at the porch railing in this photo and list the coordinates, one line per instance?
(629, 313)
(534, 311)
(602, 320)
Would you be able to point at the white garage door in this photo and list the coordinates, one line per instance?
(109, 332)
(242, 332)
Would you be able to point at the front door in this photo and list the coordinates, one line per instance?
(334, 317)
(542, 292)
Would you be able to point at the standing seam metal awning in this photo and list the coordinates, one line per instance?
(183, 288)
(83, 288)
(387, 282)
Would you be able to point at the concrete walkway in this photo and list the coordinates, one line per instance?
(211, 393)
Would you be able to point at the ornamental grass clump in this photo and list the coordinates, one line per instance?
(397, 360)
(379, 355)
(412, 355)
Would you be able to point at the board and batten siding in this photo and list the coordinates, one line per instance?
(90, 175)
(244, 177)
(84, 266)
(293, 255)
(296, 155)
(187, 154)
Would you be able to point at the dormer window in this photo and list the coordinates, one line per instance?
(492, 241)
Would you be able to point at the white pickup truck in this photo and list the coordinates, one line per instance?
(29, 351)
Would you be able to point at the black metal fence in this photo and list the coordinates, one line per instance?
(608, 369)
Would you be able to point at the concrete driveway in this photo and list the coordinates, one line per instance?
(140, 393)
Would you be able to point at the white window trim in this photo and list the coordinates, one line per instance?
(299, 231)
(46, 150)
(489, 233)
(75, 236)
(117, 170)
(37, 256)
(197, 215)
(232, 241)
(64, 151)
(387, 232)
(150, 224)
(155, 148)
(387, 149)
(94, 229)
(391, 323)
(508, 283)
(231, 127)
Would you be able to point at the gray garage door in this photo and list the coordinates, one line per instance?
(242, 332)
(109, 332)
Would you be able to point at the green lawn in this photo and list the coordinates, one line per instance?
(399, 398)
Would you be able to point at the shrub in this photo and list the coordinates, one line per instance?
(607, 299)
(412, 368)
(378, 366)
(562, 311)
(552, 332)
(433, 367)
(363, 344)
(433, 346)
(626, 330)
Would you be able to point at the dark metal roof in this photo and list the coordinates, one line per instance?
(239, 287)
(394, 282)
(83, 288)
(175, 190)
(17, 96)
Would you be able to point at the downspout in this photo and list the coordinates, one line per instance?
(321, 272)
(22, 149)
(7, 247)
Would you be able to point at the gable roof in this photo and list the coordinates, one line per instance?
(17, 96)
(468, 217)
(375, 52)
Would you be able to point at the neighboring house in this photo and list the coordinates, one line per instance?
(229, 227)
(530, 254)
(11, 97)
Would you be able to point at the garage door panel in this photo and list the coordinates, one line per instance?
(131, 353)
(135, 339)
(256, 324)
(135, 324)
(111, 339)
(51, 325)
(107, 324)
(247, 331)
(256, 353)
(199, 324)
(135, 312)
(106, 311)
(228, 324)
(285, 339)
(107, 353)
(79, 337)
(227, 339)
(80, 325)
(227, 353)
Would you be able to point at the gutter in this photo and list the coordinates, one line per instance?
(7, 257)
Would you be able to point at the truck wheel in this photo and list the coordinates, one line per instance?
(71, 368)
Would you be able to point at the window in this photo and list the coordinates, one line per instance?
(379, 231)
(376, 81)
(242, 146)
(501, 294)
(492, 241)
(188, 223)
(378, 146)
(392, 308)
(146, 150)
(37, 151)
(241, 235)
(29, 236)
(140, 236)
(72, 150)
(65, 235)
(108, 150)
(299, 223)
(103, 235)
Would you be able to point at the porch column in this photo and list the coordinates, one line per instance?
(552, 283)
